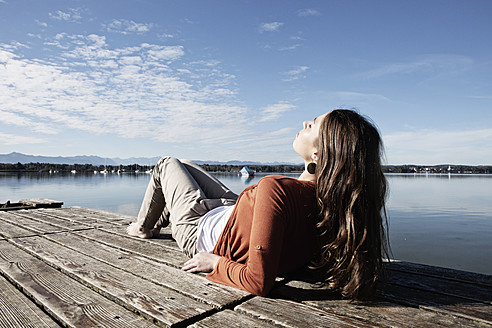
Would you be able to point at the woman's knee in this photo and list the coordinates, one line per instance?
(166, 159)
(164, 162)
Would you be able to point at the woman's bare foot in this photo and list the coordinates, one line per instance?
(156, 231)
(138, 231)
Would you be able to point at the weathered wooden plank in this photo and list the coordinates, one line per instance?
(116, 223)
(158, 252)
(8, 206)
(114, 218)
(288, 313)
(231, 319)
(41, 202)
(16, 310)
(110, 222)
(70, 302)
(192, 285)
(439, 272)
(165, 238)
(381, 313)
(35, 227)
(465, 290)
(61, 223)
(10, 230)
(437, 302)
(81, 217)
(151, 300)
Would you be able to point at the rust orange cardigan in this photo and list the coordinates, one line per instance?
(270, 232)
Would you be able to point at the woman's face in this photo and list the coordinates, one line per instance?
(306, 141)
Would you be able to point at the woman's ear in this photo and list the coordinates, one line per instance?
(314, 157)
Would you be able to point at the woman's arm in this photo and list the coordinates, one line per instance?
(257, 275)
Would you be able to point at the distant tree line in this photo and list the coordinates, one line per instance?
(67, 168)
(462, 169)
(256, 168)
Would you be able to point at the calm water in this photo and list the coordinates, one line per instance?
(434, 219)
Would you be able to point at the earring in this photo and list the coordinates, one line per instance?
(311, 168)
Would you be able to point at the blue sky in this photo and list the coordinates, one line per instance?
(233, 80)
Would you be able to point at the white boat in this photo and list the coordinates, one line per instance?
(246, 172)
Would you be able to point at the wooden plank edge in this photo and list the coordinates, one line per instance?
(440, 272)
(133, 251)
(41, 203)
(230, 318)
(47, 215)
(433, 308)
(31, 232)
(366, 311)
(427, 287)
(261, 308)
(484, 322)
(103, 212)
(104, 216)
(38, 304)
(148, 240)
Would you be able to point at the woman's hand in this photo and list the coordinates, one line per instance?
(201, 262)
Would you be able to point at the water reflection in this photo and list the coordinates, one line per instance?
(247, 180)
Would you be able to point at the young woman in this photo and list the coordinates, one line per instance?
(330, 217)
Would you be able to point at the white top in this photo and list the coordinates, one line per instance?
(210, 227)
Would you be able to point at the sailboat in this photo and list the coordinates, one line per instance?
(104, 171)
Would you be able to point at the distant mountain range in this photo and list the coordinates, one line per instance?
(14, 158)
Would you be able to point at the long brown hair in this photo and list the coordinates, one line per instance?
(351, 193)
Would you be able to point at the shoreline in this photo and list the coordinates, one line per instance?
(89, 168)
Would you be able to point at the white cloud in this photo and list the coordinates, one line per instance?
(166, 52)
(270, 27)
(13, 118)
(72, 15)
(295, 74)
(308, 12)
(352, 96)
(297, 38)
(37, 36)
(275, 111)
(429, 147)
(17, 45)
(166, 36)
(10, 139)
(124, 26)
(135, 91)
(292, 47)
(429, 63)
(42, 24)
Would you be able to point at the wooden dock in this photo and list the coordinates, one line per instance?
(76, 267)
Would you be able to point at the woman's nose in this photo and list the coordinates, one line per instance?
(304, 124)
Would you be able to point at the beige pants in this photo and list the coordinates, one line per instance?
(180, 193)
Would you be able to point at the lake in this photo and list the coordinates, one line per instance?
(442, 220)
